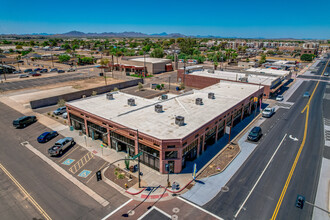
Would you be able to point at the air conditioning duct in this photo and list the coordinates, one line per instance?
(199, 101)
(211, 95)
(179, 120)
(158, 108)
(109, 96)
(131, 102)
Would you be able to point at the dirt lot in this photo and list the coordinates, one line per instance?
(220, 163)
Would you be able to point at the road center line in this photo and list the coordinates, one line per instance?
(59, 169)
(270, 160)
(36, 205)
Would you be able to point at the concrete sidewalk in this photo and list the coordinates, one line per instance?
(207, 188)
(322, 199)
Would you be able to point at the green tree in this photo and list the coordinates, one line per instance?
(307, 57)
(64, 58)
(18, 47)
(187, 45)
(262, 59)
(61, 103)
(157, 53)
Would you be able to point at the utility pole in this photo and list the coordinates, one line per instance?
(144, 63)
(184, 72)
(137, 137)
(113, 64)
(169, 83)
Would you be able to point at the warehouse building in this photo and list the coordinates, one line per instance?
(201, 78)
(137, 65)
(167, 130)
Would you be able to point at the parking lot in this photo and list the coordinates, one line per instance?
(28, 83)
(75, 160)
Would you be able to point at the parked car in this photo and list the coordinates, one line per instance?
(36, 74)
(65, 115)
(60, 146)
(255, 134)
(326, 74)
(46, 136)
(23, 76)
(17, 71)
(53, 70)
(60, 111)
(32, 72)
(27, 70)
(268, 112)
(60, 71)
(37, 69)
(306, 95)
(44, 71)
(71, 70)
(279, 98)
(24, 121)
(300, 201)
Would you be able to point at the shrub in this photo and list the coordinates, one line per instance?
(120, 176)
(94, 93)
(56, 117)
(53, 116)
(116, 173)
(115, 89)
(140, 86)
(158, 87)
(61, 103)
(48, 113)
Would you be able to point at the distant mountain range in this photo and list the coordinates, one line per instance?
(114, 34)
(131, 34)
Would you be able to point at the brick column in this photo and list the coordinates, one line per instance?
(198, 145)
(86, 127)
(203, 143)
(216, 133)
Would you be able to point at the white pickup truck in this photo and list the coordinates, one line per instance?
(268, 112)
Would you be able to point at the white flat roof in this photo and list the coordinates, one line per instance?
(270, 71)
(234, 76)
(150, 60)
(162, 125)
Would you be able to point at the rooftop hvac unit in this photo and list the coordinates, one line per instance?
(199, 101)
(131, 102)
(179, 120)
(164, 97)
(158, 108)
(109, 96)
(211, 95)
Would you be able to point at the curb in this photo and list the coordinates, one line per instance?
(238, 135)
(134, 194)
(178, 190)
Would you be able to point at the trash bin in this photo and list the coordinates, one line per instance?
(100, 74)
(71, 128)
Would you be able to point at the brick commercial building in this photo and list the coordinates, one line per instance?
(200, 78)
(170, 130)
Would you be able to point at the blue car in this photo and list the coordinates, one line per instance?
(46, 136)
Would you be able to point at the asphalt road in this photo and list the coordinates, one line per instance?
(58, 196)
(264, 198)
(34, 81)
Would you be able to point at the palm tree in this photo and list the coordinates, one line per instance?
(104, 62)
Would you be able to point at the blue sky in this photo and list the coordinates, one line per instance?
(254, 18)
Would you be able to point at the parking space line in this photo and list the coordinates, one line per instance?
(67, 175)
(81, 162)
(68, 154)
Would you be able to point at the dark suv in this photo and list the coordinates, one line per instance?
(22, 122)
(255, 134)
